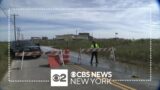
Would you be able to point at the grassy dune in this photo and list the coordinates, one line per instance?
(3, 58)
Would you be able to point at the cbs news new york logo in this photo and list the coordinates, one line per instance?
(59, 77)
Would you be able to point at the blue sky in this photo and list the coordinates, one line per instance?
(101, 18)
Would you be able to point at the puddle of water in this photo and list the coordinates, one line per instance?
(115, 66)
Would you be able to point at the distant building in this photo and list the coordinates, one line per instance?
(65, 37)
(35, 38)
(82, 36)
(44, 38)
(85, 35)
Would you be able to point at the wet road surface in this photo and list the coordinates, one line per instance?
(35, 75)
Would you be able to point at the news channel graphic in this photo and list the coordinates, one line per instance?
(60, 77)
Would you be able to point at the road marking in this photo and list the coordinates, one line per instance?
(123, 85)
(114, 83)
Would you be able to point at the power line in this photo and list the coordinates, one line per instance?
(4, 12)
(0, 1)
(13, 22)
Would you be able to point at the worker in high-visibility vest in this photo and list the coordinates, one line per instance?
(94, 52)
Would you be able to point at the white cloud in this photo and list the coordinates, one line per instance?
(129, 18)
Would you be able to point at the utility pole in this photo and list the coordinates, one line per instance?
(18, 33)
(116, 35)
(76, 32)
(15, 33)
(22, 37)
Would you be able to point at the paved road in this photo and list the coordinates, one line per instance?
(35, 75)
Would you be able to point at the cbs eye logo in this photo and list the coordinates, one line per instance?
(61, 78)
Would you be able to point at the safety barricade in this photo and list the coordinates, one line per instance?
(53, 59)
(58, 57)
(35, 53)
(66, 55)
(89, 50)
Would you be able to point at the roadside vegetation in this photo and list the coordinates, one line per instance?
(127, 51)
(135, 52)
(3, 58)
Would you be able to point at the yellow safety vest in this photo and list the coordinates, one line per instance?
(96, 46)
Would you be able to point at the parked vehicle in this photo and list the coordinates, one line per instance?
(28, 47)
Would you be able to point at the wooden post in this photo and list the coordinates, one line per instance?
(113, 52)
(22, 60)
(61, 57)
(79, 56)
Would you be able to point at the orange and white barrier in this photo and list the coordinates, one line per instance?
(62, 57)
(66, 56)
(55, 57)
(53, 60)
(111, 50)
(20, 54)
(53, 52)
(95, 49)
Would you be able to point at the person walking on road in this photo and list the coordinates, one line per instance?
(94, 52)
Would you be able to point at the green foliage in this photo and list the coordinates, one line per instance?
(3, 58)
(129, 51)
(126, 50)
